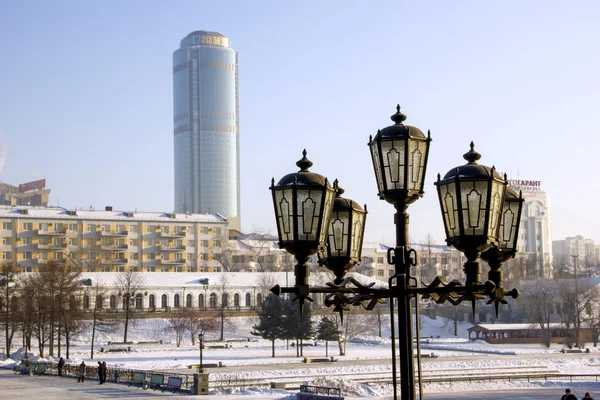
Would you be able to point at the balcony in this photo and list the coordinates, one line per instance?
(117, 261)
(43, 232)
(51, 246)
(172, 234)
(119, 247)
(114, 233)
(173, 262)
(171, 248)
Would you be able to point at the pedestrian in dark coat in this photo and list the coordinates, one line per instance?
(99, 373)
(81, 372)
(103, 372)
(568, 395)
(59, 367)
(587, 396)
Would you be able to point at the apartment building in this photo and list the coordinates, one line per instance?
(111, 241)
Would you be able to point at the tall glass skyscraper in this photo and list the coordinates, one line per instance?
(206, 126)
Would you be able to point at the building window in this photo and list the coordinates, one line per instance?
(201, 301)
(236, 301)
(105, 228)
(58, 255)
(91, 228)
(213, 301)
(133, 242)
(73, 227)
(113, 302)
(6, 240)
(27, 255)
(163, 301)
(204, 230)
(379, 272)
(151, 256)
(121, 228)
(152, 301)
(27, 226)
(217, 231)
(133, 228)
(151, 228)
(188, 300)
(217, 243)
(133, 256)
(7, 255)
(7, 226)
(99, 301)
(138, 301)
(86, 302)
(248, 300)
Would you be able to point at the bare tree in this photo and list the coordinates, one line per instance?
(9, 286)
(225, 257)
(100, 322)
(578, 298)
(200, 322)
(538, 297)
(427, 273)
(128, 283)
(354, 324)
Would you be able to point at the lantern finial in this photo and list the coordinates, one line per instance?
(304, 163)
(472, 156)
(398, 118)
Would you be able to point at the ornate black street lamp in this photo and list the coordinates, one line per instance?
(303, 202)
(201, 343)
(472, 200)
(506, 249)
(471, 197)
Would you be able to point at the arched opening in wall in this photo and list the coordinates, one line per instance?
(163, 301)
(236, 301)
(225, 300)
(14, 304)
(99, 302)
(113, 302)
(86, 302)
(259, 299)
(201, 301)
(139, 301)
(188, 300)
(248, 300)
(152, 301)
(177, 301)
(73, 302)
(213, 301)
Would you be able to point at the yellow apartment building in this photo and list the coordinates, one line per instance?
(111, 241)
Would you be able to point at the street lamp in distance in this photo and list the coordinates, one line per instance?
(201, 343)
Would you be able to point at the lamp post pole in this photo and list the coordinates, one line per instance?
(201, 342)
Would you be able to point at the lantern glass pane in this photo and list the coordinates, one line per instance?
(339, 229)
(449, 204)
(376, 165)
(416, 164)
(327, 209)
(508, 225)
(473, 195)
(285, 213)
(309, 210)
(393, 152)
(496, 196)
(358, 229)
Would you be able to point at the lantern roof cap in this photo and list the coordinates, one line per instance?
(399, 129)
(303, 177)
(342, 203)
(472, 169)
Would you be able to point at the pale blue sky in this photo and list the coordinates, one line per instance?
(86, 97)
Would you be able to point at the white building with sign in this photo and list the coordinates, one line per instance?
(535, 232)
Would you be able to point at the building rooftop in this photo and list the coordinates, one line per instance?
(28, 212)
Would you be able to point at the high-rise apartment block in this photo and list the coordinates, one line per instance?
(111, 241)
(206, 126)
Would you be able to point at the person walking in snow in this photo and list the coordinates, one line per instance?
(568, 395)
(587, 396)
(100, 372)
(103, 371)
(81, 372)
(59, 367)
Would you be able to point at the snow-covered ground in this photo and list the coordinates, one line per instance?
(364, 355)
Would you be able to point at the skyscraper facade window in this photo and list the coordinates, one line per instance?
(206, 126)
